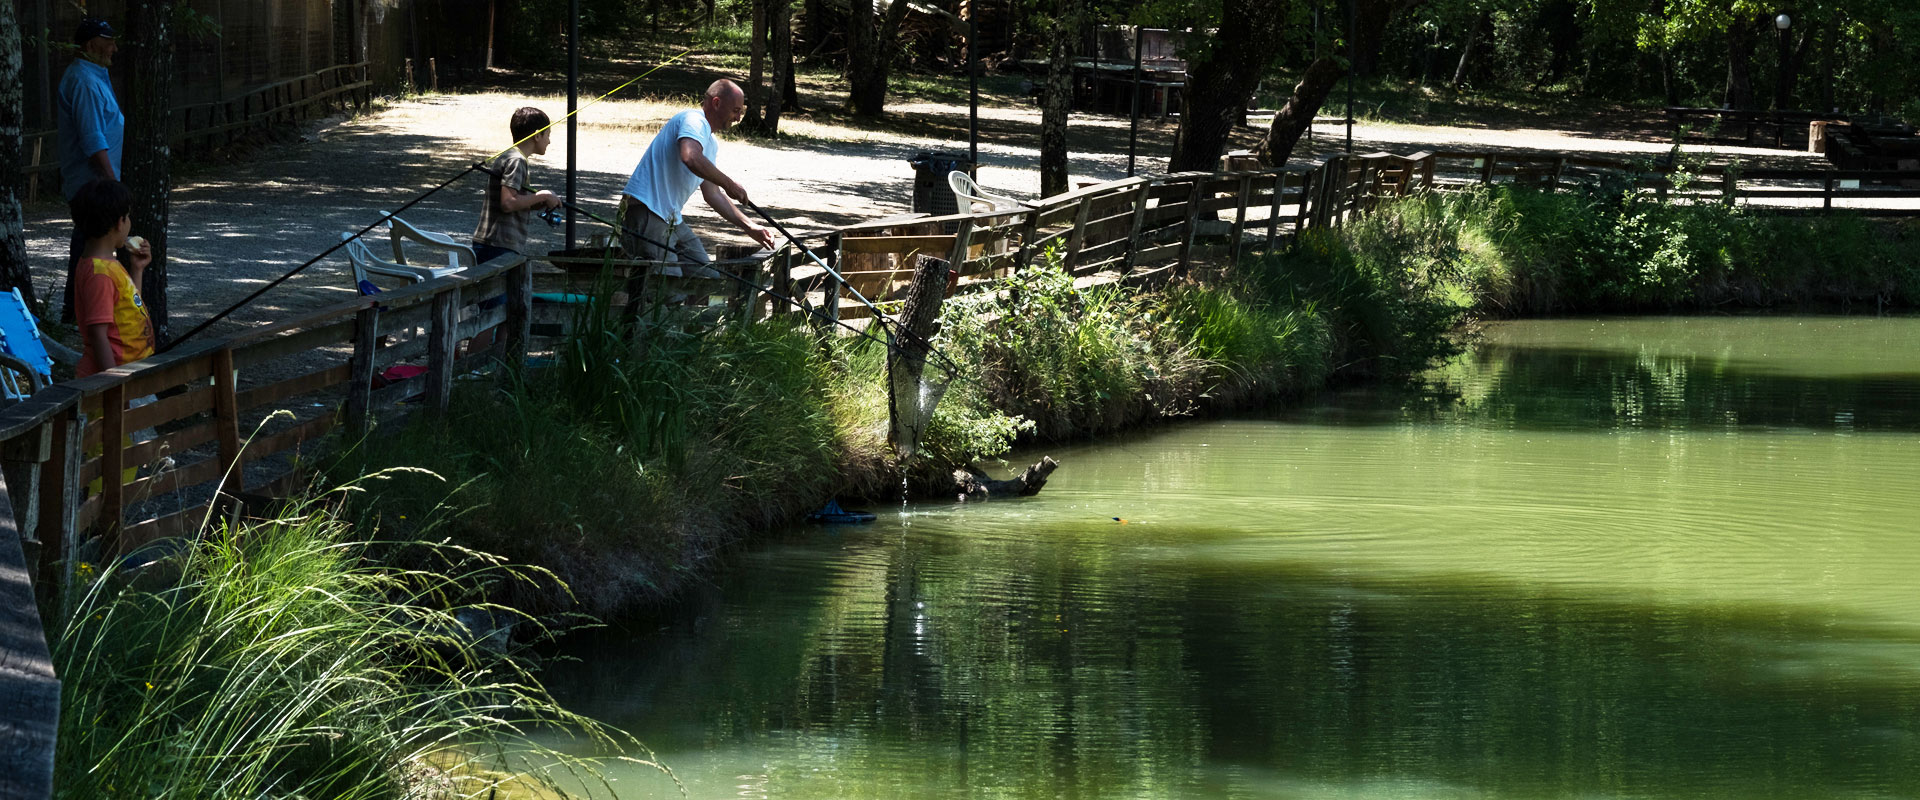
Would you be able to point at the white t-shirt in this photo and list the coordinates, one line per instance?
(661, 181)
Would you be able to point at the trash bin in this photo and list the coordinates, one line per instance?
(931, 192)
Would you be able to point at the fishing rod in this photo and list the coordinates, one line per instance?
(951, 368)
(309, 262)
(898, 330)
(409, 204)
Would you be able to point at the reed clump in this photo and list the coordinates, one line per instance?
(278, 659)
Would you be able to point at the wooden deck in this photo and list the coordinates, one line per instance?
(29, 691)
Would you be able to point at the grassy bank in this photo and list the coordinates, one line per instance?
(280, 660)
(626, 471)
(1522, 252)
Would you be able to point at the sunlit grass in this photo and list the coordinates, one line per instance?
(280, 658)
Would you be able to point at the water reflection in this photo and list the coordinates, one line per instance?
(1515, 589)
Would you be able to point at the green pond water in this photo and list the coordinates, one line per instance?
(1667, 557)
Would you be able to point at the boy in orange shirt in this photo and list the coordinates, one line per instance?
(114, 326)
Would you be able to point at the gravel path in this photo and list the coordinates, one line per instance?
(239, 225)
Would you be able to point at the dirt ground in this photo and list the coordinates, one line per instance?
(238, 225)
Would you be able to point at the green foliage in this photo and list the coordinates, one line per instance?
(1071, 361)
(1390, 281)
(277, 660)
(1253, 341)
(1608, 249)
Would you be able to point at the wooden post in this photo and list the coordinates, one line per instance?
(1139, 220)
(33, 183)
(748, 308)
(1273, 214)
(226, 420)
(1368, 186)
(1302, 213)
(783, 283)
(443, 338)
(1023, 257)
(433, 74)
(1192, 222)
(1426, 170)
(25, 461)
(518, 328)
(113, 459)
(830, 300)
(957, 258)
(1076, 240)
(1559, 168)
(1827, 191)
(1729, 186)
(366, 337)
(60, 496)
(1240, 216)
(1327, 205)
(1486, 169)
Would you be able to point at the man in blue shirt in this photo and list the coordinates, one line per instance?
(90, 126)
(678, 162)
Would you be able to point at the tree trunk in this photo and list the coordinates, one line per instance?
(1219, 86)
(1795, 62)
(1669, 82)
(780, 81)
(1466, 52)
(870, 49)
(1057, 99)
(147, 164)
(756, 70)
(1296, 116)
(1740, 43)
(13, 241)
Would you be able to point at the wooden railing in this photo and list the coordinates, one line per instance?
(216, 408)
(200, 127)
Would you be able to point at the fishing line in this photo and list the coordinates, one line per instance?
(898, 330)
(409, 204)
(310, 262)
(949, 367)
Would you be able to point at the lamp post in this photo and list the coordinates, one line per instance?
(1784, 86)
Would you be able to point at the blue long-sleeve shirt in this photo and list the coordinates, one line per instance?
(88, 119)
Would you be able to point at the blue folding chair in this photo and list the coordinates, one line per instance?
(25, 367)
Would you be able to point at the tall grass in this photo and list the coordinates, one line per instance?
(278, 660)
(1070, 361)
(1076, 361)
(650, 447)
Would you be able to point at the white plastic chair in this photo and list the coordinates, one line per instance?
(458, 255)
(366, 264)
(967, 193)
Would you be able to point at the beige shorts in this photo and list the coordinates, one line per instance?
(642, 232)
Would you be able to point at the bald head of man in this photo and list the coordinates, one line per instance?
(724, 104)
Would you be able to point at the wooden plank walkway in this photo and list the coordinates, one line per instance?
(29, 692)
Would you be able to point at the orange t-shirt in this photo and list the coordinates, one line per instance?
(104, 293)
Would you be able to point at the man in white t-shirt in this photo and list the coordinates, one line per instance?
(678, 161)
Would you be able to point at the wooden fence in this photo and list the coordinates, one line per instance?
(150, 449)
(201, 127)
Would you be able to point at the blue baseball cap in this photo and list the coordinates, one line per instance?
(90, 28)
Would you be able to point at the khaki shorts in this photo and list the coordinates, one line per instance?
(638, 221)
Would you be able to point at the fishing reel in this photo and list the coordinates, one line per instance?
(553, 216)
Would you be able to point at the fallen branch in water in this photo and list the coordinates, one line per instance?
(972, 484)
